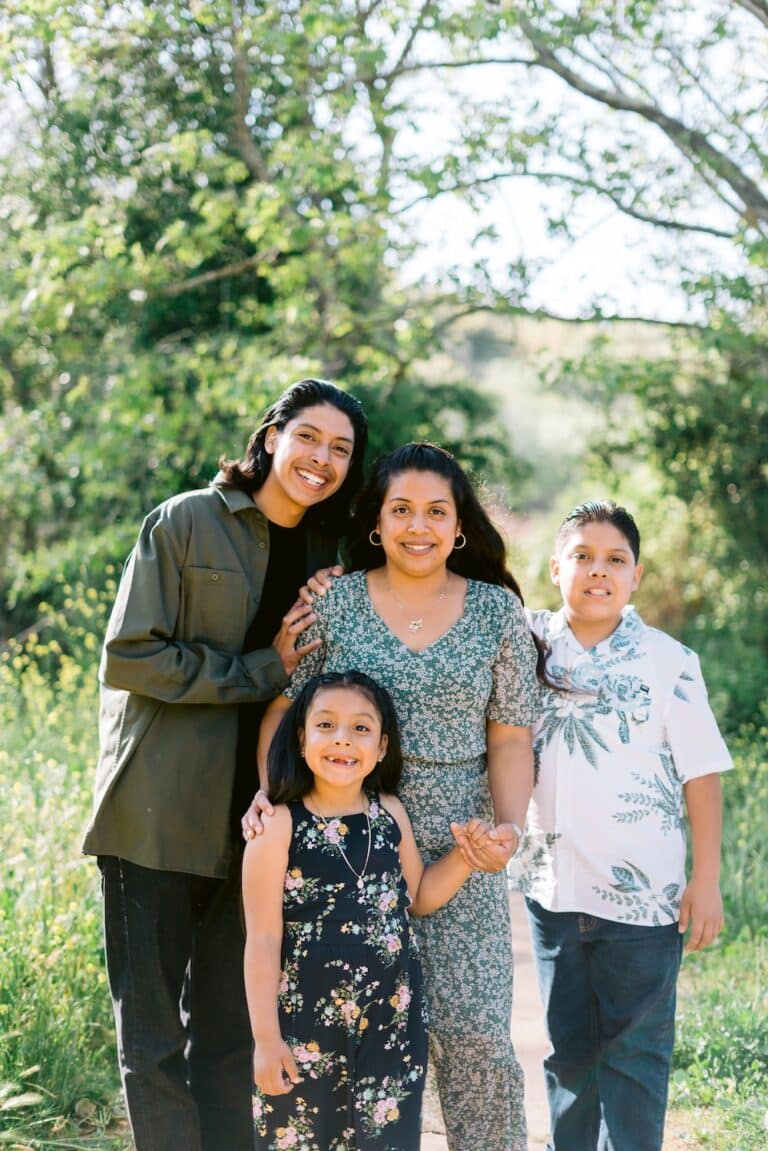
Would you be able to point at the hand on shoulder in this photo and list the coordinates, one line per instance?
(275, 832)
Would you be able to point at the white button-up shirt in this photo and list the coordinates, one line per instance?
(605, 833)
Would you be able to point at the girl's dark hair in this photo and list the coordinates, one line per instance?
(289, 775)
(598, 512)
(483, 558)
(248, 474)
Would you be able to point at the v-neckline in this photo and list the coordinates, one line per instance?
(470, 591)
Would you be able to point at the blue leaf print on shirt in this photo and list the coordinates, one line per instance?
(589, 691)
(680, 691)
(634, 894)
(562, 715)
(630, 878)
(660, 796)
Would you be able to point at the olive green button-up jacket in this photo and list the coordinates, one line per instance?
(172, 675)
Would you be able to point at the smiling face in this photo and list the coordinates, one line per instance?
(341, 741)
(418, 522)
(596, 572)
(311, 455)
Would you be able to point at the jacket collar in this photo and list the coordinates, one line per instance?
(235, 499)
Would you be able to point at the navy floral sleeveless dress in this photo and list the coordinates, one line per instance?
(350, 1000)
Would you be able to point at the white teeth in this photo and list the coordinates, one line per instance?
(310, 478)
(417, 547)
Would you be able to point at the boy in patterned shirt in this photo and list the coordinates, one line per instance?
(621, 748)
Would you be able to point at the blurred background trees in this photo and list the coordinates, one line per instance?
(201, 202)
(204, 201)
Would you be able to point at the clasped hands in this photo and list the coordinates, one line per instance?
(484, 847)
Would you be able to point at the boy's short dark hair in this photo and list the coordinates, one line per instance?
(598, 512)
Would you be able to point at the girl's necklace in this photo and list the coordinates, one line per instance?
(324, 822)
(417, 622)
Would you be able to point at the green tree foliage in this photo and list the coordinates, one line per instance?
(203, 201)
(195, 213)
(655, 110)
(699, 416)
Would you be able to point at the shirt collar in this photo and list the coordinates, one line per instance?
(630, 627)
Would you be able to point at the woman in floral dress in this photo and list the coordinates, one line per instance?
(432, 613)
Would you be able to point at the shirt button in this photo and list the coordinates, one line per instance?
(262, 545)
(214, 576)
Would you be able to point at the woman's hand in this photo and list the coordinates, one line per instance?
(274, 1068)
(296, 621)
(319, 583)
(487, 850)
(251, 823)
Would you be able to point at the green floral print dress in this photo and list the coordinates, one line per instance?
(351, 1005)
(482, 668)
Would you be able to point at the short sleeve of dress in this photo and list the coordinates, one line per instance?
(692, 733)
(515, 694)
(313, 662)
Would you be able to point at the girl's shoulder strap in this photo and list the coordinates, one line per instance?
(390, 808)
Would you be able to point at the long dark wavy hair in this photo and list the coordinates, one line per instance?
(249, 473)
(288, 773)
(483, 558)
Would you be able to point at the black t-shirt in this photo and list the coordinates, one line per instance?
(286, 572)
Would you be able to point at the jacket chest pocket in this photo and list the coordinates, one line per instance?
(214, 607)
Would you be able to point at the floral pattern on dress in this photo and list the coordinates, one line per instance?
(350, 998)
(482, 668)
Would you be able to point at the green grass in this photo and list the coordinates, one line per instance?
(58, 1077)
(721, 1054)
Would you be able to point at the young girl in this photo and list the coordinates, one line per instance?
(332, 978)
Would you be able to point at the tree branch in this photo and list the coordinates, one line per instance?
(416, 27)
(756, 8)
(518, 310)
(241, 134)
(228, 271)
(587, 185)
(435, 65)
(690, 141)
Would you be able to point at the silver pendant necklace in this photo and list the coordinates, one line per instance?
(417, 622)
(323, 823)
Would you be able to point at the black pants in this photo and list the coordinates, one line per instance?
(174, 947)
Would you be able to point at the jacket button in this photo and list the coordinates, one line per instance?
(214, 576)
(262, 545)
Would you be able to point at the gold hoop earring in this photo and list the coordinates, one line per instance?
(375, 532)
(457, 547)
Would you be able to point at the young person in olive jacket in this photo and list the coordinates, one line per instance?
(202, 636)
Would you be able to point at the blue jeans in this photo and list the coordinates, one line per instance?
(608, 991)
(174, 946)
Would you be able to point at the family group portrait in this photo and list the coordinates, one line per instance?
(383, 575)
